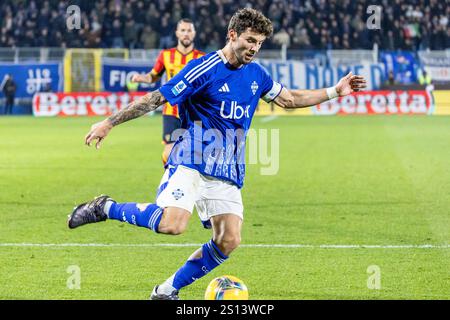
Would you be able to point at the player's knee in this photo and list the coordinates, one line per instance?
(228, 243)
(174, 221)
(176, 230)
(172, 229)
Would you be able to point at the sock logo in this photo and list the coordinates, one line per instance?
(178, 194)
(205, 269)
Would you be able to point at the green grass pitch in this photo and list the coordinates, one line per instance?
(342, 183)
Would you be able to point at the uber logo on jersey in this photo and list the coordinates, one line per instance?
(179, 87)
(235, 111)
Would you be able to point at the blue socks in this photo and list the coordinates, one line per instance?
(149, 216)
(142, 215)
(194, 269)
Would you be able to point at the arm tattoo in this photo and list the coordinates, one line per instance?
(139, 107)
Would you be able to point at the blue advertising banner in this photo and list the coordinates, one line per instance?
(403, 64)
(31, 78)
(116, 73)
(292, 74)
(300, 75)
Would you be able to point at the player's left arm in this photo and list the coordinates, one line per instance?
(291, 99)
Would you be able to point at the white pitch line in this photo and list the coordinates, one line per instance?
(268, 118)
(196, 245)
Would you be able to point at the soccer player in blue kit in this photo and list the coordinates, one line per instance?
(217, 96)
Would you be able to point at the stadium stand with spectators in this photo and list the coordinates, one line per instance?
(309, 24)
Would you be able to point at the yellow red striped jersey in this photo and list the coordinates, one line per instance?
(172, 61)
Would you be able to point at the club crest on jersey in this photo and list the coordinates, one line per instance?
(235, 111)
(254, 87)
(179, 87)
(178, 194)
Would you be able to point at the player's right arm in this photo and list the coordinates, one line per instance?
(133, 110)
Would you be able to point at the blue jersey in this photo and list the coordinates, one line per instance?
(216, 104)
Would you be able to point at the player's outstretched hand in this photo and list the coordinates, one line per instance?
(350, 83)
(136, 78)
(98, 132)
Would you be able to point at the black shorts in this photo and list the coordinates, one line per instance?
(170, 124)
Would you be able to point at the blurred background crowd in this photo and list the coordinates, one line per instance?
(299, 24)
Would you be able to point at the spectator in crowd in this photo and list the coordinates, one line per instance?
(116, 34)
(391, 78)
(149, 38)
(8, 87)
(282, 38)
(130, 33)
(165, 40)
(424, 78)
(301, 39)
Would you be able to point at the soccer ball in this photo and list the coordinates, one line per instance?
(226, 288)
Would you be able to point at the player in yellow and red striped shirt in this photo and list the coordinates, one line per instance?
(171, 61)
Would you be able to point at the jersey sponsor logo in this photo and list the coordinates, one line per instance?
(224, 88)
(179, 88)
(254, 87)
(234, 112)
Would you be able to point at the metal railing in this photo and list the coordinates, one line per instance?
(321, 57)
(437, 57)
(21, 55)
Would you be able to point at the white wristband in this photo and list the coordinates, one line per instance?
(332, 93)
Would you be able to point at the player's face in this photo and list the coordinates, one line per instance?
(247, 45)
(185, 34)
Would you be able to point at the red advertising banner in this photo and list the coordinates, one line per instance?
(81, 104)
(379, 102)
(365, 102)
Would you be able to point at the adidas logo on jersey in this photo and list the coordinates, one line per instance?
(224, 88)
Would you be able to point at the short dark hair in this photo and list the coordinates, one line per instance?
(250, 18)
(185, 20)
